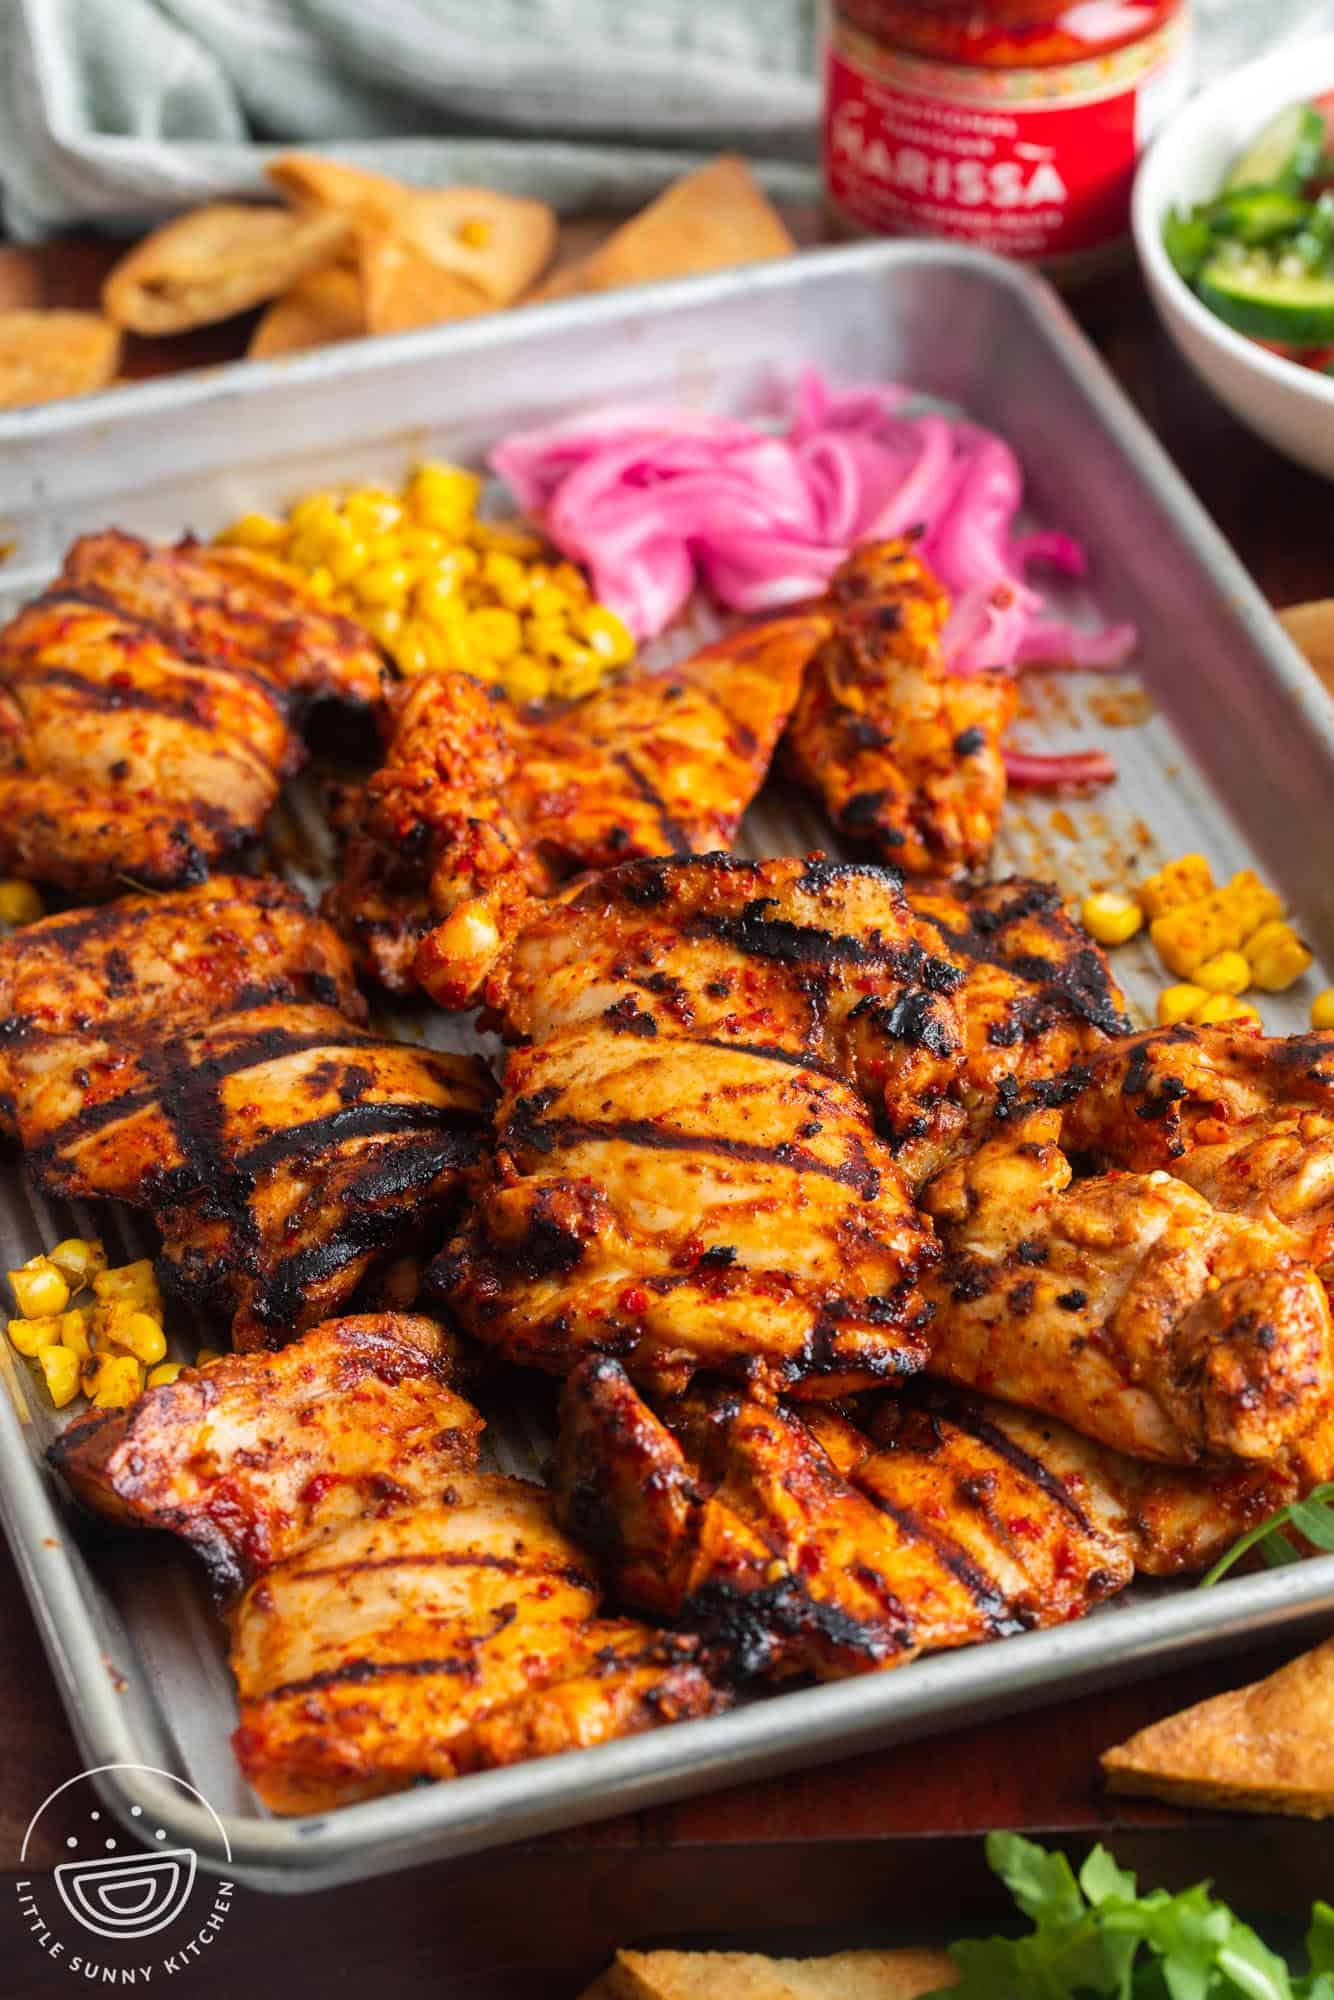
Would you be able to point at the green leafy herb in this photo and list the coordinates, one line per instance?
(1312, 1517)
(1095, 1934)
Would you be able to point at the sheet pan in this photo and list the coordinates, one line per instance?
(1224, 740)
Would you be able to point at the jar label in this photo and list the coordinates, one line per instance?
(1035, 163)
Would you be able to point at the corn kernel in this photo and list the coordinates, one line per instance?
(130, 1284)
(1184, 880)
(321, 580)
(116, 1380)
(73, 1330)
(61, 1370)
(78, 1260)
(166, 1371)
(1224, 1007)
(346, 560)
(20, 903)
(255, 531)
(133, 1331)
(1225, 972)
(548, 601)
(1178, 1003)
(1109, 918)
(28, 1336)
(369, 512)
(383, 585)
(496, 634)
(385, 625)
(1278, 958)
(527, 680)
(608, 635)
(206, 1355)
(39, 1288)
(1322, 1009)
(313, 514)
(410, 652)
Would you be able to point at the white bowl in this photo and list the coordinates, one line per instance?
(1292, 407)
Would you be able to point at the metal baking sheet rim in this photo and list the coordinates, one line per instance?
(784, 1730)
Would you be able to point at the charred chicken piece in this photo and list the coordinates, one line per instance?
(449, 1636)
(1246, 1120)
(1126, 1305)
(1148, 1101)
(688, 1206)
(238, 606)
(936, 1009)
(254, 1458)
(148, 704)
(405, 1617)
(236, 941)
(482, 809)
(1169, 1519)
(281, 1151)
(905, 754)
(794, 1543)
(179, 1064)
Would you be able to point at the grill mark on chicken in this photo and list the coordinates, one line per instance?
(985, 1592)
(677, 838)
(545, 1134)
(169, 1063)
(786, 943)
(1005, 1447)
(355, 1121)
(361, 1229)
(358, 1673)
(772, 1052)
(451, 1559)
(176, 639)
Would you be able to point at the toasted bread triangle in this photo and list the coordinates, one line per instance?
(1268, 1747)
(737, 1975)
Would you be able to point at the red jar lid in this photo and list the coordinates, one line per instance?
(1006, 34)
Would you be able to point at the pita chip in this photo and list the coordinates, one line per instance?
(499, 242)
(711, 1975)
(320, 310)
(1268, 1747)
(217, 261)
(402, 289)
(311, 181)
(47, 355)
(711, 220)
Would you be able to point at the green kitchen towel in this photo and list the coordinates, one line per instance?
(116, 112)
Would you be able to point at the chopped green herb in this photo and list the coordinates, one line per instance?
(1095, 1934)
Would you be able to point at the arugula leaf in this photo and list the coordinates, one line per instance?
(1094, 1935)
(1312, 1517)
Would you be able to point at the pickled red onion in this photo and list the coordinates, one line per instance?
(651, 501)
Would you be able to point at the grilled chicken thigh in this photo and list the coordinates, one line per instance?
(1124, 1304)
(689, 1206)
(482, 808)
(445, 1637)
(281, 1148)
(688, 1173)
(255, 1457)
(406, 1617)
(794, 1543)
(904, 754)
(936, 1009)
(148, 704)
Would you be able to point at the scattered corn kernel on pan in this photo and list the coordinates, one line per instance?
(1225, 746)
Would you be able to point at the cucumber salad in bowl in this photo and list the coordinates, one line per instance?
(1260, 254)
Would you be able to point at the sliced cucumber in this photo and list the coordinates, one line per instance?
(1285, 155)
(1259, 214)
(1253, 295)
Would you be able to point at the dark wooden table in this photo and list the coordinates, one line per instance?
(883, 1848)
